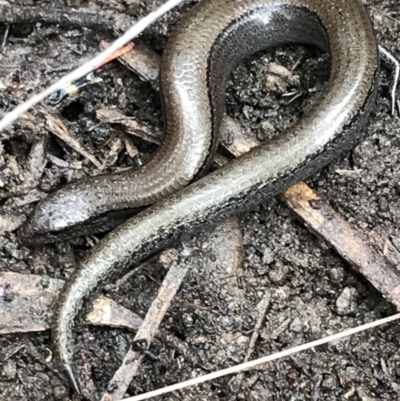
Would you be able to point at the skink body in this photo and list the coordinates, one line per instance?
(207, 44)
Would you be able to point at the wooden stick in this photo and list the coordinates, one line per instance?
(352, 244)
(131, 363)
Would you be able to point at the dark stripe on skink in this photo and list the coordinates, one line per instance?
(332, 126)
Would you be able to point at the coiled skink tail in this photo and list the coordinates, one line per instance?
(211, 39)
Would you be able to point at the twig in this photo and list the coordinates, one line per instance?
(263, 306)
(263, 310)
(227, 244)
(12, 14)
(31, 306)
(92, 64)
(353, 245)
(31, 299)
(233, 138)
(10, 351)
(142, 60)
(379, 15)
(119, 53)
(57, 127)
(116, 147)
(3, 45)
(220, 160)
(106, 312)
(389, 59)
(129, 367)
(130, 147)
(130, 125)
(385, 246)
(261, 361)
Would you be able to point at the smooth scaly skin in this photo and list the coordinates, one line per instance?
(186, 153)
(212, 38)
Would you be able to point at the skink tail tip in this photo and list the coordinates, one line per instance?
(72, 377)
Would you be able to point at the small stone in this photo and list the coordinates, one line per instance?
(346, 303)
(202, 354)
(329, 382)
(296, 325)
(187, 320)
(267, 127)
(266, 131)
(351, 373)
(336, 275)
(60, 393)
(276, 276)
(10, 370)
(268, 256)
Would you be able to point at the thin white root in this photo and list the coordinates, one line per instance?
(263, 360)
(92, 64)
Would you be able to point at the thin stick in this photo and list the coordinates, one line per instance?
(132, 360)
(92, 64)
(120, 52)
(263, 310)
(389, 58)
(351, 243)
(263, 360)
(5, 36)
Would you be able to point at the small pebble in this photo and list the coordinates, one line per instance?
(276, 276)
(329, 382)
(60, 393)
(187, 320)
(346, 303)
(351, 373)
(202, 354)
(336, 275)
(10, 370)
(268, 256)
(296, 325)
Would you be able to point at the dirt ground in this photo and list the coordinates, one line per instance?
(313, 291)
